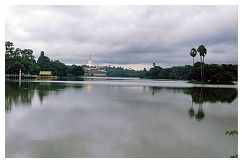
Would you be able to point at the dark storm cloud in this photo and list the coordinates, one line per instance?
(125, 34)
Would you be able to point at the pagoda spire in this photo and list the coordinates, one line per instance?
(90, 62)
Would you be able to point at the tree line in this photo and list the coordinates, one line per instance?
(213, 73)
(23, 59)
(121, 72)
(16, 59)
(201, 72)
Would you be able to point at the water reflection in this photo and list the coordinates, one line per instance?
(200, 95)
(23, 92)
(155, 90)
(90, 89)
(191, 111)
(212, 95)
(107, 120)
(200, 113)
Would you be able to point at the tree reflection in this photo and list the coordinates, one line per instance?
(155, 90)
(212, 95)
(200, 113)
(200, 95)
(16, 93)
(191, 111)
(23, 92)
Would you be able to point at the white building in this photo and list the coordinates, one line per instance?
(92, 70)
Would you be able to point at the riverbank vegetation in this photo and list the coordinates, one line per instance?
(213, 73)
(122, 72)
(198, 72)
(16, 59)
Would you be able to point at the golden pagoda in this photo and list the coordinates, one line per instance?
(90, 62)
(92, 70)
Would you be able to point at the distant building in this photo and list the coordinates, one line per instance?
(92, 70)
(45, 75)
(90, 62)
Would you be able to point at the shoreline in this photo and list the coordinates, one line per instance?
(135, 82)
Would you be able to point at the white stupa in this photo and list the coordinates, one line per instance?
(94, 71)
(90, 62)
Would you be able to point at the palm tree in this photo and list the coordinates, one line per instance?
(202, 52)
(193, 53)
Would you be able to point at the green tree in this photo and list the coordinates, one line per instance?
(14, 67)
(58, 68)
(154, 71)
(9, 47)
(202, 52)
(28, 60)
(43, 61)
(123, 72)
(18, 57)
(16, 54)
(193, 53)
(76, 70)
(163, 74)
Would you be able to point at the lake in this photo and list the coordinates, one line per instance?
(119, 118)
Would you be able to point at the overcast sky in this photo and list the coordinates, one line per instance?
(132, 36)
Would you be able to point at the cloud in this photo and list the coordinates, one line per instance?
(125, 34)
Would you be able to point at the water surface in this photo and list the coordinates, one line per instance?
(121, 118)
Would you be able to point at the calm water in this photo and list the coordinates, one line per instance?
(136, 118)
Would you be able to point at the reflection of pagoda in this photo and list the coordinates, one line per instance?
(90, 89)
(92, 70)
